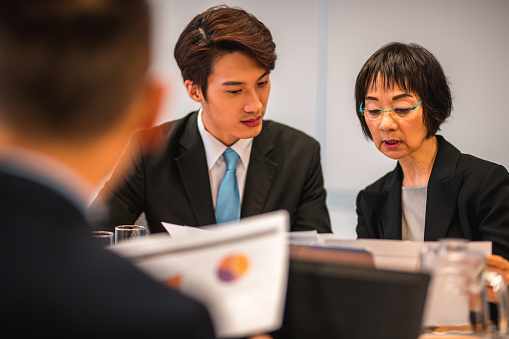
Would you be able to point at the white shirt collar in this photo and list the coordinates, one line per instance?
(214, 148)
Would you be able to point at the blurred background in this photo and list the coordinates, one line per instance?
(321, 46)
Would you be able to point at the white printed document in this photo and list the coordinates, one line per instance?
(237, 270)
(396, 254)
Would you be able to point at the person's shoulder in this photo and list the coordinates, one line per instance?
(465, 161)
(283, 133)
(472, 164)
(169, 127)
(167, 131)
(469, 160)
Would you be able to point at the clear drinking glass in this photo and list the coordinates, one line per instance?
(105, 238)
(129, 232)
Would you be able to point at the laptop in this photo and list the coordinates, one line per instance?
(337, 299)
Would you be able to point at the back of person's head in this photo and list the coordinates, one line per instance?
(70, 67)
(218, 31)
(413, 69)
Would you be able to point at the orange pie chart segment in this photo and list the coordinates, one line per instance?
(233, 267)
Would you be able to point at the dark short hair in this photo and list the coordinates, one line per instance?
(218, 31)
(71, 67)
(414, 69)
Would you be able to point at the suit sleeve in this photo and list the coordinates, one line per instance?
(493, 209)
(362, 227)
(121, 200)
(312, 212)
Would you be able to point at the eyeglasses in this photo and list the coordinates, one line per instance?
(376, 113)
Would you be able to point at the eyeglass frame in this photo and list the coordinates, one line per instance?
(361, 110)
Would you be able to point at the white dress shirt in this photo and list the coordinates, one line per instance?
(217, 167)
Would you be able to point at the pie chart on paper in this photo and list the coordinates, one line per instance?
(232, 267)
(173, 282)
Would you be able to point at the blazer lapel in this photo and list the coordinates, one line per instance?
(386, 205)
(443, 189)
(260, 175)
(193, 168)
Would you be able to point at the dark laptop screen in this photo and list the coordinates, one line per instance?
(331, 300)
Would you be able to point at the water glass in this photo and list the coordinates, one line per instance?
(105, 238)
(129, 232)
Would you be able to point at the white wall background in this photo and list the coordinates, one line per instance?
(321, 46)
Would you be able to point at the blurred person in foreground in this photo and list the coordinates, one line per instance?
(402, 97)
(225, 56)
(73, 87)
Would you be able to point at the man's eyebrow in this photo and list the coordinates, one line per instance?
(233, 83)
(264, 75)
(236, 83)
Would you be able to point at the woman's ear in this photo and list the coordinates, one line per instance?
(194, 91)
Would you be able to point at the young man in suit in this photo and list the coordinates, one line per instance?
(72, 89)
(225, 56)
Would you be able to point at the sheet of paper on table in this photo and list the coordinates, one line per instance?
(395, 254)
(178, 231)
(238, 270)
(298, 237)
(304, 237)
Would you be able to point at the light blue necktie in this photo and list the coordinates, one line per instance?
(228, 199)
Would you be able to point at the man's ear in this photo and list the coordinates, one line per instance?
(194, 91)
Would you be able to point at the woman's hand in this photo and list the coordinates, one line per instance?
(498, 265)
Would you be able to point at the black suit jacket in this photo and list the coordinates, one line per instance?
(57, 281)
(467, 198)
(173, 185)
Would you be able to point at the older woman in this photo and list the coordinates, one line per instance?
(435, 191)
